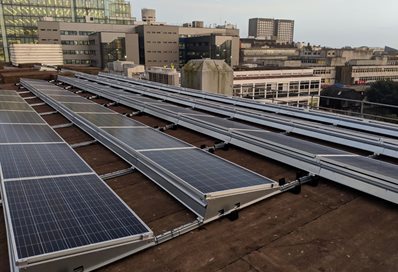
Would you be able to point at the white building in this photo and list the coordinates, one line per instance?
(47, 54)
(284, 86)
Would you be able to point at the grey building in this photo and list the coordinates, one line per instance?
(78, 48)
(272, 29)
(158, 45)
(18, 19)
(214, 46)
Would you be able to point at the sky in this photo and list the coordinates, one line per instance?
(334, 23)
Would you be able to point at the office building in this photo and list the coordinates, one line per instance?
(282, 86)
(158, 45)
(354, 74)
(213, 46)
(18, 19)
(270, 29)
(81, 46)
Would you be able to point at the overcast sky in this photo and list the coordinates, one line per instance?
(334, 23)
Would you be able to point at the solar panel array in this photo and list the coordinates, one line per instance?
(153, 145)
(54, 200)
(307, 155)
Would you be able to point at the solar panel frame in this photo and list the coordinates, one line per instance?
(24, 133)
(196, 168)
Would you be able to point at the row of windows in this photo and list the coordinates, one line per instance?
(175, 52)
(322, 72)
(373, 70)
(75, 33)
(49, 40)
(165, 61)
(158, 32)
(69, 42)
(165, 42)
(378, 78)
(77, 61)
(79, 52)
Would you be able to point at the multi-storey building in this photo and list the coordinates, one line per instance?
(364, 74)
(288, 86)
(18, 18)
(280, 30)
(81, 49)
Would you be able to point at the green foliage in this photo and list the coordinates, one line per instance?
(385, 92)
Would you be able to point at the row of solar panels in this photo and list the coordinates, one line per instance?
(366, 174)
(349, 122)
(201, 181)
(295, 123)
(54, 203)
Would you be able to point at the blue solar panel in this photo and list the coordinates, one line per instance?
(14, 133)
(15, 106)
(145, 138)
(110, 120)
(35, 160)
(9, 117)
(204, 171)
(56, 214)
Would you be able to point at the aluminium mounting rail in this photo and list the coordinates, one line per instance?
(365, 174)
(368, 142)
(230, 195)
(381, 128)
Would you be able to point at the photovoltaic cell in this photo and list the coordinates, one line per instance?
(205, 172)
(8, 92)
(110, 120)
(35, 160)
(14, 106)
(68, 98)
(225, 123)
(19, 117)
(13, 133)
(368, 165)
(55, 214)
(89, 107)
(144, 138)
(11, 98)
(302, 145)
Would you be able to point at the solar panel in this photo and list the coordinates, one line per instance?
(19, 117)
(14, 133)
(68, 98)
(204, 171)
(54, 214)
(110, 120)
(145, 138)
(57, 92)
(300, 145)
(15, 106)
(173, 108)
(225, 123)
(89, 107)
(374, 167)
(35, 160)
(8, 92)
(11, 98)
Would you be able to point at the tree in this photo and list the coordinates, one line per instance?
(385, 92)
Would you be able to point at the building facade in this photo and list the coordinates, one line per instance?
(80, 48)
(280, 30)
(284, 86)
(359, 75)
(19, 18)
